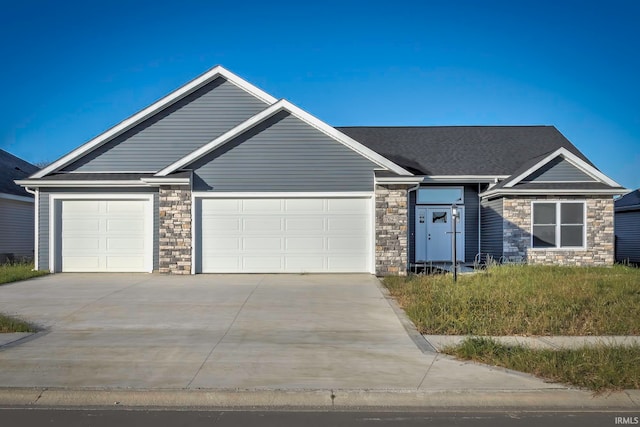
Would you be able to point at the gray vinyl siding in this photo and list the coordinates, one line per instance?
(492, 228)
(559, 170)
(44, 210)
(283, 154)
(16, 228)
(627, 230)
(174, 132)
(471, 220)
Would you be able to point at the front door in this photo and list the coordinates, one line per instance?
(433, 238)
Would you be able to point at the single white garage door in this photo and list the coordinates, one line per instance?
(104, 236)
(287, 235)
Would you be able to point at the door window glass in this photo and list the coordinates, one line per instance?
(439, 217)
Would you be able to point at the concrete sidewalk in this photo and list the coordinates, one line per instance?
(438, 342)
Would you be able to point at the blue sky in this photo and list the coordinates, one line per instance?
(70, 70)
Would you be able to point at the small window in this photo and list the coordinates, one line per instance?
(558, 225)
(440, 195)
(439, 218)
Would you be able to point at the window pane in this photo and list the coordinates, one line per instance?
(442, 195)
(544, 236)
(571, 213)
(439, 217)
(544, 213)
(570, 235)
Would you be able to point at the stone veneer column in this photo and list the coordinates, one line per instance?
(175, 229)
(600, 235)
(391, 229)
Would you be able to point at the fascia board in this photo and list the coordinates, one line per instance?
(93, 183)
(159, 105)
(284, 105)
(571, 158)
(515, 192)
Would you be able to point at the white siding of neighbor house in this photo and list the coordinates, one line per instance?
(16, 228)
(174, 132)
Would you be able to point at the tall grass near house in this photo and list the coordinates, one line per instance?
(18, 271)
(524, 300)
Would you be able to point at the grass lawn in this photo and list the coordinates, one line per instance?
(19, 271)
(595, 368)
(524, 300)
(12, 273)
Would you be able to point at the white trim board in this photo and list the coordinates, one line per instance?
(281, 195)
(154, 108)
(54, 198)
(284, 105)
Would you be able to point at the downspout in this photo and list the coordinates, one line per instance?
(409, 249)
(36, 223)
(479, 221)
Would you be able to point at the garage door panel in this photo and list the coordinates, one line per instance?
(305, 243)
(262, 205)
(124, 263)
(304, 264)
(123, 208)
(285, 235)
(260, 263)
(80, 226)
(305, 224)
(304, 205)
(216, 225)
(80, 263)
(262, 243)
(104, 235)
(219, 243)
(81, 244)
(262, 225)
(348, 224)
(125, 226)
(129, 245)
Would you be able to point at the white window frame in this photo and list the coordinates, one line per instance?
(558, 226)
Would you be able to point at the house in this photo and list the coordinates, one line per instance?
(220, 177)
(627, 227)
(16, 210)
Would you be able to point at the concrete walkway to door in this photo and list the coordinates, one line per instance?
(284, 332)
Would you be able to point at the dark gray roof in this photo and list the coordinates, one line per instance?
(12, 168)
(462, 150)
(629, 200)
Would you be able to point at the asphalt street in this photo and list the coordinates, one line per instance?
(216, 418)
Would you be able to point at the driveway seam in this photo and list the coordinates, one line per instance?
(226, 332)
(73, 313)
(428, 370)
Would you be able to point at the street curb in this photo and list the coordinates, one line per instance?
(565, 399)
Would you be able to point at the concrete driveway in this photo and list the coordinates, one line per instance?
(148, 331)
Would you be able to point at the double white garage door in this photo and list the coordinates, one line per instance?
(232, 235)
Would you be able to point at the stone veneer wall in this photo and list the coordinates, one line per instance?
(600, 234)
(391, 230)
(175, 229)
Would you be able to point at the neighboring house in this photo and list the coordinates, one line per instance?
(627, 227)
(16, 209)
(220, 177)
